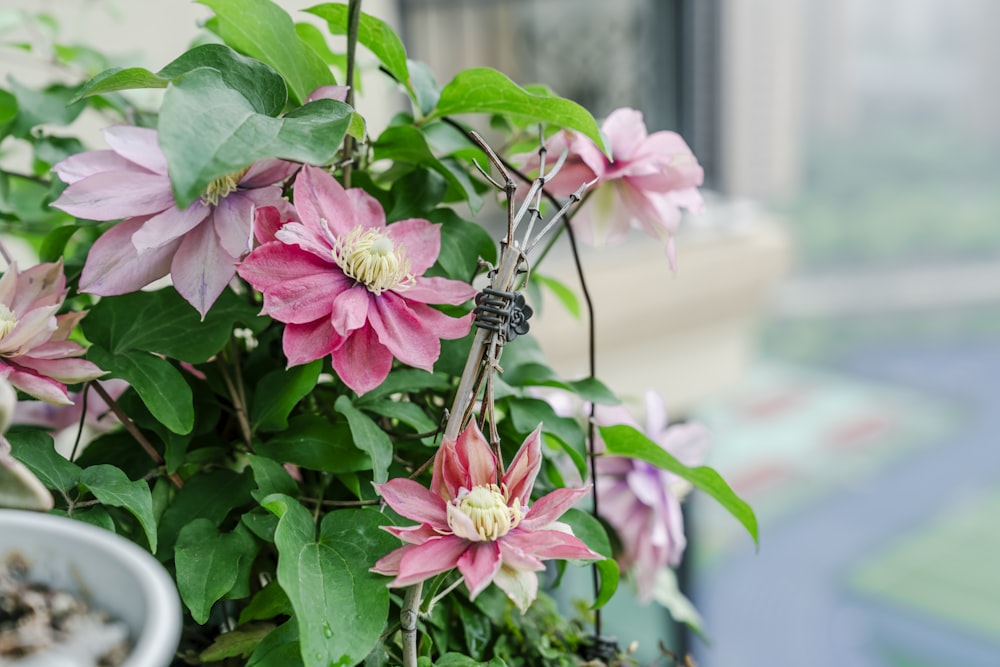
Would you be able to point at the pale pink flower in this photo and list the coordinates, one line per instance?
(35, 356)
(198, 246)
(347, 285)
(643, 502)
(648, 179)
(479, 520)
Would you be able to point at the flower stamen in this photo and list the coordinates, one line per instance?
(371, 258)
(487, 507)
(221, 187)
(8, 321)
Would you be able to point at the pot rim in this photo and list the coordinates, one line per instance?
(157, 641)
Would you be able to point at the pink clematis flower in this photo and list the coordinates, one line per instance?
(198, 246)
(349, 286)
(35, 356)
(649, 178)
(642, 502)
(479, 521)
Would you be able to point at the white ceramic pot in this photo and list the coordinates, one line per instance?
(115, 574)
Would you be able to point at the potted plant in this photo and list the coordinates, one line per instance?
(333, 427)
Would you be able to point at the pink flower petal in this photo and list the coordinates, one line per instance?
(462, 525)
(33, 328)
(362, 362)
(550, 507)
(626, 132)
(267, 222)
(80, 166)
(338, 93)
(403, 333)
(114, 266)
(413, 501)
(520, 475)
(139, 145)
(57, 350)
(201, 268)
(478, 566)
(350, 309)
(450, 473)
(232, 218)
(110, 195)
(68, 371)
(168, 226)
(368, 213)
(39, 285)
(298, 287)
(440, 290)
(550, 544)
(322, 202)
(270, 171)
(422, 240)
(476, 454)
(413, 534)
(389, 563)
(516, 558)
(306, 342)
(42, 388)
(425, 560)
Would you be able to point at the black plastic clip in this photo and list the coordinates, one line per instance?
(505, 313)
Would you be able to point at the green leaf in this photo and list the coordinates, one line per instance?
(270, 477)
(563, 293)
(313, 442)
(463, 244)
(278, 392)
(368, 437)
(36, 450)
(425, 89)
(405, 412)
(262, 30)
(110, 486)
(161, 387)
(54, 243)
(210, 495)
(208, 130)
(162, 322)
(42, 106)
(256, 81)
(593, 534)
(374, 34)
(121, 78)
(339, 605)
(280, 648)
(405, 143)
(269, 602)
(622, 440)
(240, 642)
(406, 381)
(592, 389)
(8, 111)
(205, 561)
(485, 90)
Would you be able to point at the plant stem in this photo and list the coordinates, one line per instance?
(408, 622)
(353, 21)
(134, 431)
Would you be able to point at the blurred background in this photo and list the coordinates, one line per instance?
(835, 320)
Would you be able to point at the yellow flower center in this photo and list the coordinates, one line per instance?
(489, 511)
(220, 188)
(8, 320)
(370, 257)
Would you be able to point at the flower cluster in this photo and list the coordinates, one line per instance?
(278, 363)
